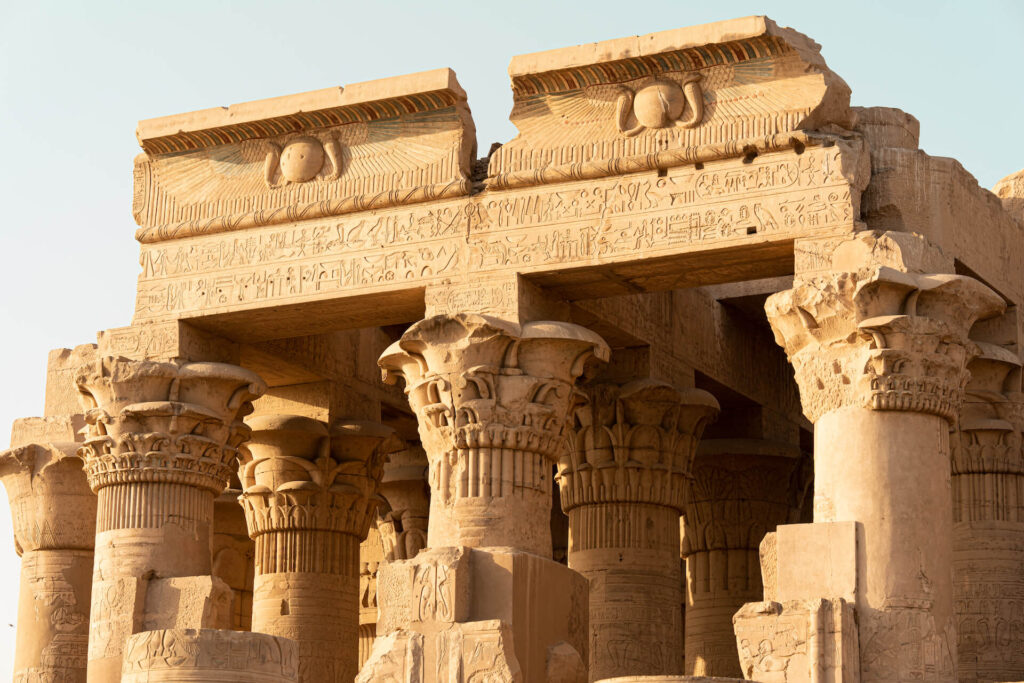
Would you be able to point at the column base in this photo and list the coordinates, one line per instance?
(817, 619)
(488, 609)
(209, 656)
(125, 606)
(798, 642)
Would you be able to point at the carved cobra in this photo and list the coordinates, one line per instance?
(694, 98)
(271, 164)
(333, 148)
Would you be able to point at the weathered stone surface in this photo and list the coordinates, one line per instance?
(742, 489)
(988, 520)
(323, 153)
(624, 483)
(310, 495)
(523, 610)
(492, 401)
(665, 99)
(54, 516)
(162, 442)
(798, 642)
(208, 656)
(881, 359)
(672, 201)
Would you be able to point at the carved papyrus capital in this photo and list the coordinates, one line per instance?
(300, 476)
(989, 435)
(881, 339)
(177, 423)
(492, 400)
(52, 507)
(634, 444)
(478, 382)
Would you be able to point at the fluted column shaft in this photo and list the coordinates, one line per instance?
(742, 489)
(310, 496)
(54, 515)
(881, 361)
(623, 486)
(163, 441)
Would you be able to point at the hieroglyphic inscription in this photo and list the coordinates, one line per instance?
(589, 223)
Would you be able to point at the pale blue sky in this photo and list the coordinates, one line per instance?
(75, 77)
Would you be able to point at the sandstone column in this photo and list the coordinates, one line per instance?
(988, 520)
(742, 489)
(54, 515)
(492, 399)
(881, 362)
(234, 554)
(404, 486)
(623, 484)
(164, 438)
(310, 495)
(400, 534)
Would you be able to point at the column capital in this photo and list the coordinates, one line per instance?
(992, 418)
(175, 422)
(52, 507)
(482, 382)
(492, 400)
(881, 338)
(298, 475)
(634, 443)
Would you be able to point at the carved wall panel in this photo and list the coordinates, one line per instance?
(662, 100)
(307, 156)
(775, 197)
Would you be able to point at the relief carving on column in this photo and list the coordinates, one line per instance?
(880, 339)
(208, 655)
(163, 440)
(492, 401)
(310, 495)
(54, 517)
(988, 519)
(624, 483)
(742, 489)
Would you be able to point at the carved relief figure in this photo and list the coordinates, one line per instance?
(660, 104)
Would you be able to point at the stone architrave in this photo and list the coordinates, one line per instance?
(163, 440)
(624, 483)
(492, 400)
(54, 515)
(881, 359)
(310, 496)
(988, 520)
(742, 489)
(209, 656)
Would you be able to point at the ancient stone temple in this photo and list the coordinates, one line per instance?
(706, 373)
